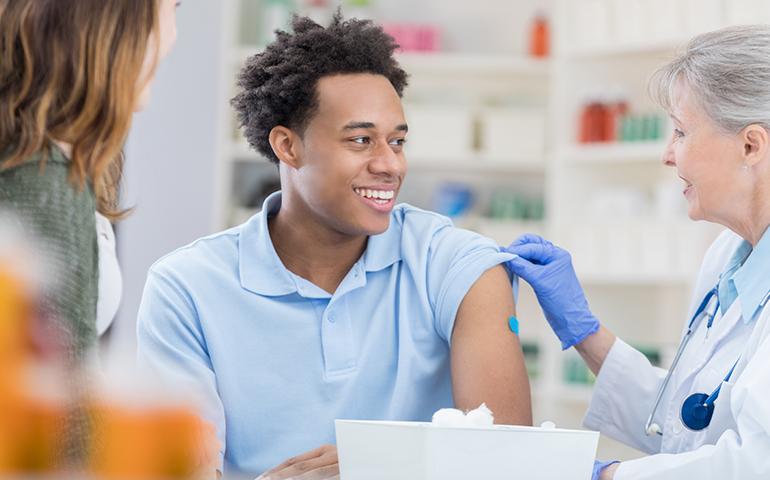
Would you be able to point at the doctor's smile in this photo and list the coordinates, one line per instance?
(281, 302)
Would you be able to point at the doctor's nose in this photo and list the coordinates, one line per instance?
(668, 158)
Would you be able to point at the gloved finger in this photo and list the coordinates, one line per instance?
(528, 238)
(521, 267)
(536, 253)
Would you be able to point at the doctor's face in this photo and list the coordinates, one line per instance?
(352, 154)
(706, 159)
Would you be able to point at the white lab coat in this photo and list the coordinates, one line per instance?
(737, 443)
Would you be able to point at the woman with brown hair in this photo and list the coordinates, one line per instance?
(72, 73)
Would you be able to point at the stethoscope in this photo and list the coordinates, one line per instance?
(698, 408)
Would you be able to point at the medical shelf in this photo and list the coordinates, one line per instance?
(473, 64)
(635, 48)
(446, 63)
(614, 153)
(634, 279)
(472, 163)
(479, 164)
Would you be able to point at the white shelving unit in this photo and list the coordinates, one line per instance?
(637, 263)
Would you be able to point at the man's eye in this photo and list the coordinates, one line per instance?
(398, 142)
(361, 140)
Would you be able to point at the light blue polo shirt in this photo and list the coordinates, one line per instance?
(277, 359)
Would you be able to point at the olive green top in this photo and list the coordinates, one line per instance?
(62, 218)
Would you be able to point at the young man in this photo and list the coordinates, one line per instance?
(332, 302)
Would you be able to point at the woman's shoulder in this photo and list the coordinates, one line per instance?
(41, 179)
(35, 164)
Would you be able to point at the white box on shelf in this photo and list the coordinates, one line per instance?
(516, 134)
(371, 450)
(656, 256)
(743, 12)
(666, 18)
(630, 21)
(702, 16)
(592, 26)
(438, 132)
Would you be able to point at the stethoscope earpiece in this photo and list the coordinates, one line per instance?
(654, 429)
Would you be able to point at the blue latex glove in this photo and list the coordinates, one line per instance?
(599, 466)
(548, 269)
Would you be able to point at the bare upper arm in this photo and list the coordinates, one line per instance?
(487, 361)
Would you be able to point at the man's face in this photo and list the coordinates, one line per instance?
(351, 155)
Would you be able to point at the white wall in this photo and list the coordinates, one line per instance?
(170, 167)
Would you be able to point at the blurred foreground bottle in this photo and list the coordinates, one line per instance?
(32, 428)
(162, 442)
(53, 424)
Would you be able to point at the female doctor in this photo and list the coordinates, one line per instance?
(709, 415)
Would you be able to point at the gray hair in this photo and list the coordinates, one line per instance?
(728, 71)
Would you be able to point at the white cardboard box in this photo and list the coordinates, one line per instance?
(515, 134)
(379, 450)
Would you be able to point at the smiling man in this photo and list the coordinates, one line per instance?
(333, 302)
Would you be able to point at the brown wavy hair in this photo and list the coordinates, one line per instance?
(69, 72)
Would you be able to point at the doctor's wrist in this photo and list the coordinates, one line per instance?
(595, 348)
(609, 472)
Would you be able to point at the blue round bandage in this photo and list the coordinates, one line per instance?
(513, 324)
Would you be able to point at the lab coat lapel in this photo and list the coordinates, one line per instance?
(721, 329)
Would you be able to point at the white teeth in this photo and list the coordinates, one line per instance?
(375, 194)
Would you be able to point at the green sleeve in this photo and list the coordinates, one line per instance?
(62, 219)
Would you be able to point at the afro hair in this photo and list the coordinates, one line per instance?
(278, 85)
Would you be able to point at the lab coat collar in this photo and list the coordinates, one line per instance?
(752, 280)
(262, 271)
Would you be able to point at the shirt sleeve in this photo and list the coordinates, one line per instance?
(171, 345)
(738, 453)
(623, 397)
(457, 259)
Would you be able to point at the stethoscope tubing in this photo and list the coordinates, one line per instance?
(650, 427)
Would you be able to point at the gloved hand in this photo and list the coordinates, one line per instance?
(548, 269)
(599, 466)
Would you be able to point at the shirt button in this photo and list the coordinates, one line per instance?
(332, 318)
(677, 427)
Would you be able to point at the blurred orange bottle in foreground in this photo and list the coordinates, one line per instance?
(31, 428)
(151, 442)
(539, 41)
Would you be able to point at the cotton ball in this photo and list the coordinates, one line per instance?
(480, 417)
(449, 417)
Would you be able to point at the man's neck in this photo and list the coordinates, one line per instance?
(314, 251)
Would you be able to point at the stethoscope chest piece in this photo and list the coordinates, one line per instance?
(697, 411)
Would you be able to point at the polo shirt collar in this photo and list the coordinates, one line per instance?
(262, 271)
(751, 280)
(384, 250)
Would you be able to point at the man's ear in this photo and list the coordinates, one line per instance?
(756, 143)
(286, 145)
